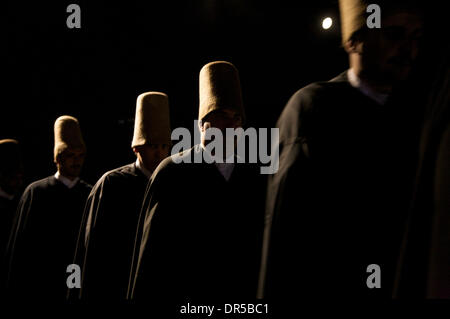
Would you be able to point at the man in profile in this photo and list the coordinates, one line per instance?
(108, 230)
(424, 265)
(203, 220)
(347, 155)
(47, 221)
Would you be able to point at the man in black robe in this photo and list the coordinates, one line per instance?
(47, 221)
(336, 207)
(203, 221)
(11, 180)
(108, 230)
(424, 268)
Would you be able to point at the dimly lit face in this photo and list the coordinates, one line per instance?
(389, 52)
(12, 181)
(70, 162)
(221, 119)
(152, 154)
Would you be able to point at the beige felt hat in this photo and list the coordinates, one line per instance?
(354, 13)
(220, 88)
(7, 142)
(152, 121)
(353, 17)
(67, 135)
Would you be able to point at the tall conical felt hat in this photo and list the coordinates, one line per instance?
(354, 13)
(10, 158)
(220, 88)
(152, 121)
(67, 135)
(353, 17)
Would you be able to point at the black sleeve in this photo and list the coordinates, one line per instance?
(290, 188)
(87, 251)
(147, 274)
(16, 250)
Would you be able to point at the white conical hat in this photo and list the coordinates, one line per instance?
(219, 88)
(152, 121)
(67, 135)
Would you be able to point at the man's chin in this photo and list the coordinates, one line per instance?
(401, 73)
(395, 78)
(151, 166)
(76, 173)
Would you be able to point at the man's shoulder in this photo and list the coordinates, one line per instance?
(306, 96)
(41, 184)
(309, 105)
(175, 161)
(120, 172)
(177, 164)
(84, 185)
(116, 176)
(39, 187)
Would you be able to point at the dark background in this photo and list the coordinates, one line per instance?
(123, 49)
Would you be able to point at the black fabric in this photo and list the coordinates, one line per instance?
(201, 234)
(339, 200)
(7, 210)
(107, 233)
(424, 269)
(44, 233)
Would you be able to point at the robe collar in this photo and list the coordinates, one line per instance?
(140, 166)
(67, 182)
(365, 89)
(6, 195)
(226, 168)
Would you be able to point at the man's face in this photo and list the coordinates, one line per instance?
(222, 119)
(70, 162)
(389, 52)
(12, 181)
(152, 154)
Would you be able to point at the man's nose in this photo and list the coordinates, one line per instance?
(162, 152)
(231, 123)
(409, 48)
(79, 159)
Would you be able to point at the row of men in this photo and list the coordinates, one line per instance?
(335, 206)
(47, 227)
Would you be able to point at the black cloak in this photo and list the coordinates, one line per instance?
(201, 234)
(44, 233)
(339, 200)
(107, 233)
(424, 268)
(7, 209)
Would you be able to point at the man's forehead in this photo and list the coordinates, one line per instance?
(74, 151)
(153, 145)
(409, 20)
(225, 111)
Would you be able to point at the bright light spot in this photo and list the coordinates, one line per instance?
(326, 23)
